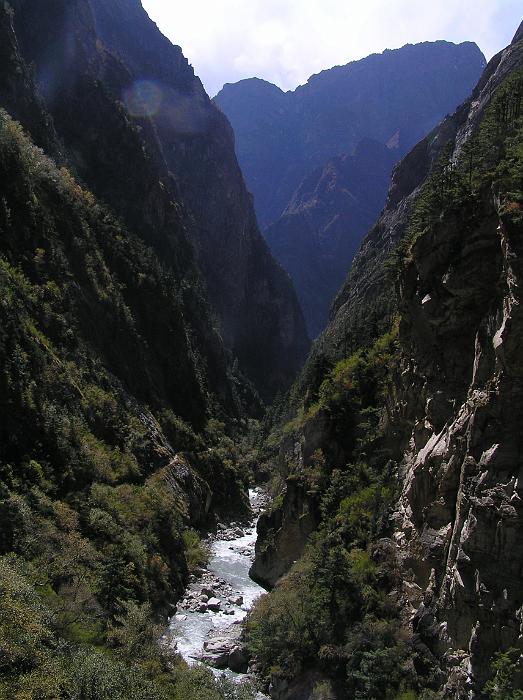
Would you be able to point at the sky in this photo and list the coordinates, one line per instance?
(286, 41)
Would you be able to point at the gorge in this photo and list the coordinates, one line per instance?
(159, 395)
(318, 159)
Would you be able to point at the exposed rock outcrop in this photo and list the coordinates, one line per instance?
(226, 649)
(282, 535)
(454, 405)
(461, 509)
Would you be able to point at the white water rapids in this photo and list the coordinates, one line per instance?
(230, 561)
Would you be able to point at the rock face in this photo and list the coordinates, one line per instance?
(461, 509)
(321, 229)
(282, 536)
(226, 649)
(143, 134)
(395, 97)
(460, 515)
(455, 402)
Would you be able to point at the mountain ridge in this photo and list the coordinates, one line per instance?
(393, 98)
(320, 231)
(343, 129)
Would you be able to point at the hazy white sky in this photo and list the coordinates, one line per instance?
(285, 41)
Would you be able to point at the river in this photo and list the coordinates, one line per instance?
(202, 633)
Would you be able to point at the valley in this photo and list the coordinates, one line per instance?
(207, 624)
(261, 387)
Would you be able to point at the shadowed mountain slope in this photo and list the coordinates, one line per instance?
(395, 97)
(130, 112)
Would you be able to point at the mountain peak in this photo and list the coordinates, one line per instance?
(518, 35)
(251, 89)
(466, 48)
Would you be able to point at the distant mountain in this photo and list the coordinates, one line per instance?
(395, 97)
(320, 231)
(318, 160)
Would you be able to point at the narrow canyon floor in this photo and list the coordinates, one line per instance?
(207, 626)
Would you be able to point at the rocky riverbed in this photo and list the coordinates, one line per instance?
(207, 625)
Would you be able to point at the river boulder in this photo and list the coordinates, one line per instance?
(226, 650)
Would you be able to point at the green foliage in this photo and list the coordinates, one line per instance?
(347, 401)
(196, 551)
(358, 511)
(179, 433)
(132, 632)
(357, 379)
(97, 395)
(329, 610)
(25, 637)
(507, 669)
(333, 602)
(37, 663)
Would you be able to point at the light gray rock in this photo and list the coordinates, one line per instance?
(216, 652)
(226, 650)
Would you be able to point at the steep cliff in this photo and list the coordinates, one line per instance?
(18, 94)
(460, 510)
(142, 133)
(322, 227)
(407, 441)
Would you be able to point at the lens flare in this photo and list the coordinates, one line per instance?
(143, 99)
